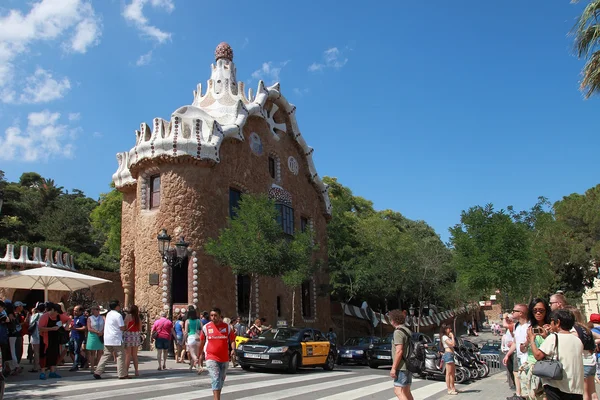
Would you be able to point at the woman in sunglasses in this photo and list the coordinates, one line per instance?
(539, 316)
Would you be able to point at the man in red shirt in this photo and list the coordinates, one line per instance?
(220, 339)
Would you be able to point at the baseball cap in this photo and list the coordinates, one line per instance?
(595, 318)
(7, 301)
(19, 304)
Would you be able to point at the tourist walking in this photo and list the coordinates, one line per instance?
(401, 340)
(95, 338)
(568, 349)
(220, 345)
(34, 335)
(539, 319)
(448, 342)
(161, 333)
(4, 346)
(77, 337)
(113, 341)
(178, 327)
(132, 338)
(192, 327)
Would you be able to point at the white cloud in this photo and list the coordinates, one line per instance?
(315, 67)
(74, 116)
(42, 139)
(42, 88)
(269, 72)
(134, 13)
(332, 58)
(300, 92)
(144, 59)
(72, 21)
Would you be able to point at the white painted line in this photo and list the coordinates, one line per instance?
(207, 393)
(304, 389)
(427, 391)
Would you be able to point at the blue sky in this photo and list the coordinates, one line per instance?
(426, 108)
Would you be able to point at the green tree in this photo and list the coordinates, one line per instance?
(31, 180)
(254, 244)
(300, 264)
(587, 40)
(106, 221)
(492, 251)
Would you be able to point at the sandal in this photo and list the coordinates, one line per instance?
(453, 392)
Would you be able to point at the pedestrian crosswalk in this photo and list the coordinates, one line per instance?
(340, 384)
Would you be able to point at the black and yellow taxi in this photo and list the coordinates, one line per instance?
(287, 349)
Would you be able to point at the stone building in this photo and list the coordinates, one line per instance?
(187, 174)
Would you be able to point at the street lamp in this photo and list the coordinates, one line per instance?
(172, 257)
(411, 310)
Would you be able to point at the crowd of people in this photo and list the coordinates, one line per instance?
(551, 330)
(90, 338)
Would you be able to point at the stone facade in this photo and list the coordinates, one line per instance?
(222, 141)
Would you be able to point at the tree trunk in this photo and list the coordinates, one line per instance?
(293, 305)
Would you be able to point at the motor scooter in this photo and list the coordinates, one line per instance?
(468, 360)
(434, 367)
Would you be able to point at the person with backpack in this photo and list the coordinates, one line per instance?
(589, 358)
(401, 342)
(594, 325)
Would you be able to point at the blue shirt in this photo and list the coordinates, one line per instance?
(178, 328)
(78, 322)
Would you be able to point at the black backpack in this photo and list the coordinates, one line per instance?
(413, 354)
(586, 337)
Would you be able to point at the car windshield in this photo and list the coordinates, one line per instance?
(386, 340)
(281, 334)
(359, 341)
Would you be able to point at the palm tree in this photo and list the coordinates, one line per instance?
(587, 45)
(49, 191)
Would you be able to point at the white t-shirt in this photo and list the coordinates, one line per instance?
(570, 349)
(446, 345)
(113, 336)
(521, 337)
(507, 341)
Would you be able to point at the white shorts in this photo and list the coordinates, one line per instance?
(191, 340)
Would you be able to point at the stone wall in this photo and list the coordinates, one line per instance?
(194, 202)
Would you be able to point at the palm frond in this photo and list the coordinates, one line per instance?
(587, 40)
(590, 83)
(589, 16)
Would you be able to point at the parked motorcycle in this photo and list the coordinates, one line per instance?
(468, 360)
(435, 368)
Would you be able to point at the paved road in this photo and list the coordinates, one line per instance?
(347, 383)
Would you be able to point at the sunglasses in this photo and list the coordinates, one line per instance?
(517, 311)
(539, 310)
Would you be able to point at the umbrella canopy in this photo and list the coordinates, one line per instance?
(48, 278)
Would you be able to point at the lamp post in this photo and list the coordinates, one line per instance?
(172, 257)
(411, 311)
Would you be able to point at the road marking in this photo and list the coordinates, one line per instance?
(282, 394)
(261, 384)
(426, 391)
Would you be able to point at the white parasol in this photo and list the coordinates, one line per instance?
(48, 278)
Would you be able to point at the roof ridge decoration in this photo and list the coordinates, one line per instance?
(198, 130)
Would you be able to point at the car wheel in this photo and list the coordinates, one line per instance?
(245, 367)
(293, 364)
(373, 365)
(330, 363)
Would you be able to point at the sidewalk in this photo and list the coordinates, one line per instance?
(148, 366)
(491, 388)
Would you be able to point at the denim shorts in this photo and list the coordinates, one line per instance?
(404, 378)
(589, 370)
(448, 358)
(161, 344)
(217, 372)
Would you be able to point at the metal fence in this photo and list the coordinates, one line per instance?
(494, 363)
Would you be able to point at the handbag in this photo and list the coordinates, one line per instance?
(154, 335)
(549, 369)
